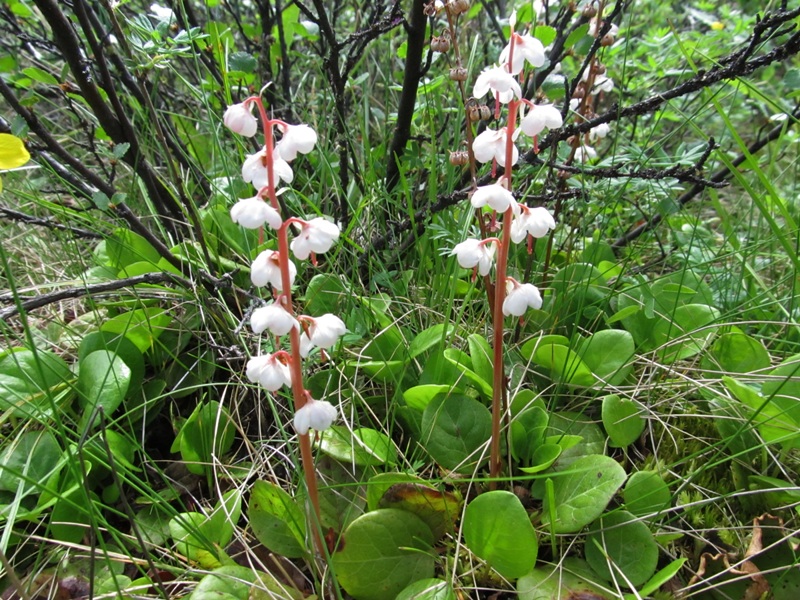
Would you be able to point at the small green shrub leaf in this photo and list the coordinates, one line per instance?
(581, 493)
(646, 493)
(622, 420)
(427, 589)
(618, 544)
(103, 381)
(28, 380)
(439, 510)
(363, 447)
(277, 520)
(382, 552)
(497, 528)
(454, 428)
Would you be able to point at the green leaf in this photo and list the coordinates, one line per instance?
(141, 326)
(439, 510)
(463, 363)
(419, 396)
(126, 247)
(123, 348)
(324, 294)
(571, 579)
(232, 582)
(622, 420)
(497, 528)
(454, 429)
(608, 354)
(480, 353)
(659, 579)
(689, 326)
(428, 338)
(277, 521)
(206, 434)
(226, 514)
(28, 382)
(427, 589)
(382, 552)
(576, 35)
(189, 531)
(736, 352)
(646, 493)
(582, 493)
(13, 153)
(776, 416)
(621, 549)
(527, 432)
(242, 62)
(380, 483)
(565, 366)
(363, 447)
(103, 381)
(545, 34)
(543, 458)
(28, 462)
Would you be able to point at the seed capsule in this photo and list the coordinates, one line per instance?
(458, 74)
(459, 158)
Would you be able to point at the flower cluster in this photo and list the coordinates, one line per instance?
(265, 169)
(499, 147)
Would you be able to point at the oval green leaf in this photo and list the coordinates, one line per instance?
(277, 521)
(103, 381)
(454, 428)
(646, 493)
(622, 420)
(621, 549)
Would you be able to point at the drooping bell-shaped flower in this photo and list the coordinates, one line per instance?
(254, 169)
(252, 213)
(296, 138)
(273, 318)
(520, 297)
(599, 132)
(322, 332)
(266, 269)
(531, 221)
(239, 119)
(496, 197)
(317, 235)
(584, 153)
(472, 253)
(499, 81)
(271, 371)
(491, 145)
(315, 414)
(539, 117)
(526, 48)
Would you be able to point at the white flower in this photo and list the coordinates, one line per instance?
(274, 318)
(473, 253)
(491, 144)
(534, 221)
(296, 138)
(269, 371)
(323, 332)
(526, 47)
(599, 132)
(315, 414)
(239, 119)
(499, 81)
(317, 236)
(539, 117)
(160, 12)
(602, 83)
(254, 169)
(252, 213)
(520, 297)
(266, 269)
(595, 25)
(496, 197)
(585, 153)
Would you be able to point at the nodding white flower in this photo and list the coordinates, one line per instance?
(160, 12)
(473, 253)
(491, 144)
(539, 117)
(520, 297)
(296, 138)
(266, 269)
(595, 25)
(602, 83)
(315, 414)
(273, 318)
(599, 132)
(585, 153)
(239, 119)
(526, 48)
(254, 169)
(322, 332)
(316, 235)
(496, 197)
(252, 213)
(532, 221)
(270, 371)
(499, 81)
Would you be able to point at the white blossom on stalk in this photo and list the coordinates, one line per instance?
(532, 221)
(252, 213)
(540, 117)
(598, 132)
(520, 297)
(472, 253)
(296, 138)
(585, 153)
(491, 145)
(526, 48)
(273, 318)
(322, 332)
(499, 81)
(317, 235)
(270, 371)
(254, 169)
(239, 119)
(602, 83)
(496, 197)
(266, 269)
(315, 414)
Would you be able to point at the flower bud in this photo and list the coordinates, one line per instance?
(458, 74)
(239, 119)
(459, 158)
(590, 10)
(473, 113)
(607, 40)
(440, 44)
